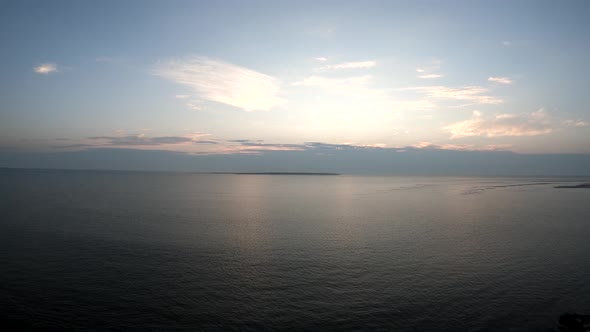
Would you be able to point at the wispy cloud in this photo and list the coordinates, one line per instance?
(431, 76)
(181, 96)
(198, 143)
(321, 58)
(196, 106)
(142, 140)
(475, 94)
(429, 71)
(462, 147)
(46, 68)
(501, 80)
(205, 144)
(331, 147)
(352, 65)
(224, 82)
(576, 123)
(528, 124)
(360, 87)
(506, 43)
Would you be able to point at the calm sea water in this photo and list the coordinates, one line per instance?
(88, 250)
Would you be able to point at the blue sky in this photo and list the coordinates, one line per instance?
(244, 77)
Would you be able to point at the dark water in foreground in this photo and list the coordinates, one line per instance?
(149, 251)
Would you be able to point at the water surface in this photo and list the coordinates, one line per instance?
(91, 250)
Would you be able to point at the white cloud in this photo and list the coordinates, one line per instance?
(531, 124)
(576, 123)
(352, 65)
(181, 96)
(501, 80)
(430, 70)
(431, 76)
(46, 68)
(359, 87)
(470, 93)
(224, 82)
(195, 106)
(321, 58)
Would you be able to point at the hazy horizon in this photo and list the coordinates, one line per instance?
(420, 162)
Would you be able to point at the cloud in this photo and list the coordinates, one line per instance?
(141, 140)
(469, 93)
(462, 147)
(531, 124)
(261, 146)
(193, 144)
(181, 96)
(501, 80)
(224, 82)
(243, 141)
(506, 43)
(359, 87)
(576, 123)
(429, 70)
(46, 68)
(352, 65)
(321, 58)
(195, 105)
(431, 76)
(331, 147)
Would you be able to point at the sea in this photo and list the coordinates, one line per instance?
(148, 251)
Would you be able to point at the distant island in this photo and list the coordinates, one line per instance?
(583, 185)
(277, 173)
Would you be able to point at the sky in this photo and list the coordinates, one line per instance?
(235, 80)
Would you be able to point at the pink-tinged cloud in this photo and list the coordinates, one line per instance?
(531, 124)
(476, 94)
(462, 147)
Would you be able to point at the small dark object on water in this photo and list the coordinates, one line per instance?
(583, 185)
(574, 323)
